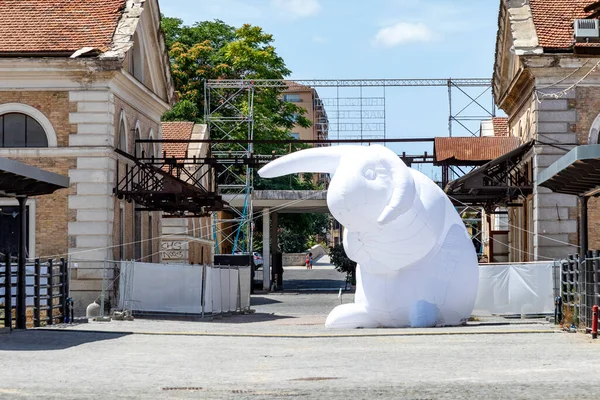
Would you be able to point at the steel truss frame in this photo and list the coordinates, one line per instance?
(224, 118)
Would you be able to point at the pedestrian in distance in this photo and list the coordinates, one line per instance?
(311, 260)
(307, 261)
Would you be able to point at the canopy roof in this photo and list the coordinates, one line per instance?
(18, 179)
(576, 173)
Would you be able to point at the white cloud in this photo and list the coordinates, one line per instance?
(297, 8)
(402, 33)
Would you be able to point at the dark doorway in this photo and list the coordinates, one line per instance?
(9, 230)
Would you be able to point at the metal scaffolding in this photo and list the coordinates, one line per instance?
(359, 116)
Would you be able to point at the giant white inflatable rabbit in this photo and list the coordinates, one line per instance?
(417, 265)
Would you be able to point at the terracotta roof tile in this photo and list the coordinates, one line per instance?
(40, 26)
(554, 19)
(500, 126)
(473, 149)
(177, 130)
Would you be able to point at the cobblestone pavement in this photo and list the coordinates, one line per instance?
(283, 350)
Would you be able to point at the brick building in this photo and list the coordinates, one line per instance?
(77, 80)
(547, 84)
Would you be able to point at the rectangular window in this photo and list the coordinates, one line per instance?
(295, 135)
(292, 98)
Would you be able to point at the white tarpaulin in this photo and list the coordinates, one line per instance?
(525, 288)
(177, 288)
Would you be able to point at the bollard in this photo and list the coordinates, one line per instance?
(595, 322)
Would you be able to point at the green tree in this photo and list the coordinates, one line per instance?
(342, 262)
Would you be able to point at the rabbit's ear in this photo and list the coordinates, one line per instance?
(319, 159)
(404, 191)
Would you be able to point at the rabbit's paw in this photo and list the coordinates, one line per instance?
(350, 316)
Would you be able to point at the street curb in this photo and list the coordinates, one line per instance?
(303, 336)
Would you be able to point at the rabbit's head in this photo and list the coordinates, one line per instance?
(370, 186)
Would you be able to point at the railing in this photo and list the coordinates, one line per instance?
(47, 293)
(580, 288)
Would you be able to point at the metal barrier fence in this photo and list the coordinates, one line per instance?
(46, 292)
(580, 288)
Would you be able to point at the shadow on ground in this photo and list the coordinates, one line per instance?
(314, 284)
(260, 301)
(250, 318)
(37, 340)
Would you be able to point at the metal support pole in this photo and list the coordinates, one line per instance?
(274, 246)
(37, 293)
(203, 294)
(583, 201)
(64, 277)
(103, 289)
(21, 271)
(8, 292)
(50, 292)
(266, 249)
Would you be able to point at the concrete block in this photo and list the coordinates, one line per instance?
(90, 95)
(552, 252)
(90, 202)
(557, 116)
(88, 228)
(90, 118)
(552, 227)
(553, 199)
(90, 140)
(552, 214)
(557, 138)
(553, 240)
(544, 161)
(95, 215)
(102, 163)
(95, 106)
(84, 256)
(571, 94)
(554, 105)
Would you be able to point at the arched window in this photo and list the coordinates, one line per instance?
(138, 146)
(122, 138)
(21, 130)
(150, 149)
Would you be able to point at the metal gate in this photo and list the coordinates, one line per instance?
(580, 287)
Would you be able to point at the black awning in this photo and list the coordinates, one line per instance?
(497, 182)
(18, 179)
(576, 173)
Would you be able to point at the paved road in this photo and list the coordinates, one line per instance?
(323, 276)
(283, 350)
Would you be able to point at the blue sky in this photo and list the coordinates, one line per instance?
(347, 39)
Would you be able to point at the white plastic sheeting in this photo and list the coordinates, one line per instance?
(177, 288)
(526, 288)
(417, 265)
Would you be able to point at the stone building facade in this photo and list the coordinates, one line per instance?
(95, 76)
(549, 87)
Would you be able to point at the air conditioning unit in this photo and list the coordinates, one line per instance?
(587, 29)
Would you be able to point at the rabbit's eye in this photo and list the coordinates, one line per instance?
(370, 174)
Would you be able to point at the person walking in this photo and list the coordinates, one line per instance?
(307, 261)
(311, 260)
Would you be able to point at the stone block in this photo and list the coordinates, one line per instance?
(91, 176)
(98, 163)
(90, 140)
(89, 118)
(553, 240)
(95, 215)
(552, 214)
(94, 189)
(92, 241)
(90, 202)
(553, 127)
(557, 116)
(556, 227)
(93, 129)
(88, 228)
(89, 95)
(95, 106)
(554, 105)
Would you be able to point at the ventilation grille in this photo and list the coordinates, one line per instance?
(587, 28)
